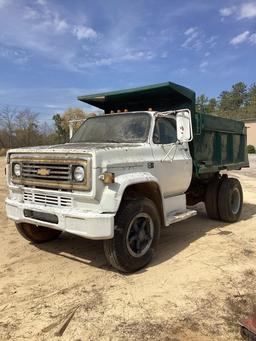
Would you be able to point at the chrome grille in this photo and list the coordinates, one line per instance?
(56, 172)
(51, 173)
(47, 199)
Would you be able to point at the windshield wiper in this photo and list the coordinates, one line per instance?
(112, 141)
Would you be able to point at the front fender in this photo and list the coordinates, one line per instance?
(113, 193)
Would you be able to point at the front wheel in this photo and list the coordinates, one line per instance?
(37, 234)
(136, 236)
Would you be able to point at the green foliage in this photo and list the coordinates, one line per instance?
(251, 149)
(238, 96)
(212, 105)
(238, 103)
(60, 131)
(62, 123)
(206, 105)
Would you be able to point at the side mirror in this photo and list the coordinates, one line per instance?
(184, 126)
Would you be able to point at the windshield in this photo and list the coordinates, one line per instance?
(119, 128)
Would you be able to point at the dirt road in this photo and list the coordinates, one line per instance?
(200, 284)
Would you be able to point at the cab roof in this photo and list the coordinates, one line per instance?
(158, 97)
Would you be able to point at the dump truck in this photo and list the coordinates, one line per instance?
(126, 174)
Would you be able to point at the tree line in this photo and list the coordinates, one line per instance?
(20, 128)
(237, 103)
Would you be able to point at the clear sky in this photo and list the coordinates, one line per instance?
(54, 50)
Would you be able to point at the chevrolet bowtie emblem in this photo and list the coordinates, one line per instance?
(43, 171)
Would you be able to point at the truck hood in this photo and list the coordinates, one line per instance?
(104, 155)
(74, 148)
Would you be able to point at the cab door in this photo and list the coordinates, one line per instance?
(173, 163)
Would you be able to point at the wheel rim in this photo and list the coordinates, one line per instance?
(140, 235)
(235, 201)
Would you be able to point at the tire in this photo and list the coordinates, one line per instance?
(230, 200)
(37, 234)
(211, 200)
(136, 236)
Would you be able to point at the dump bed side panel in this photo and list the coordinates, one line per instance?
(218, 144)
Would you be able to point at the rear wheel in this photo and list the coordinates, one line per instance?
(37, 234)
(230, 200)
(136, 236)
(211, 199)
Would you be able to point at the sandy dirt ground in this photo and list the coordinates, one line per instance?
(200, 284)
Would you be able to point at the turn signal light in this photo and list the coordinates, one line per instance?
(108, 178)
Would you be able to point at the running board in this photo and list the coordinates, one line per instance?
(174, 217)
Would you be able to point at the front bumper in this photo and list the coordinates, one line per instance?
(87, 224)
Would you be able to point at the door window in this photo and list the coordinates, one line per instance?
(165, 131)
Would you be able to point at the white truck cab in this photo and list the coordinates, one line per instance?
(113, 163)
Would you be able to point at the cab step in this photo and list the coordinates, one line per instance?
(174, 217)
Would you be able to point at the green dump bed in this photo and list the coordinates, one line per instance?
(218, 143)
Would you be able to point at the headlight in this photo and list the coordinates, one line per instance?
(17, 169)
(78, 174)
